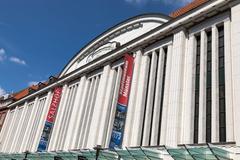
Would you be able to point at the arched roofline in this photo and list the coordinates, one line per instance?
(162, 18)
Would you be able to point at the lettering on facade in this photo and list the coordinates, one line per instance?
(102, 50)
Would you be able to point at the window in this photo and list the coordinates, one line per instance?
(222, 104)
(162, 95)
(196, 114)
(209, 88)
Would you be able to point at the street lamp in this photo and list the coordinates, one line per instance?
(26, 154)
(98, 148)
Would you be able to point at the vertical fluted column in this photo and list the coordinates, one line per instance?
(166, 97)
(101, 95)
(17, 130)
(10, 129)
(106, 108)
(90, 117)
(82, 120)
(158, 93)
(54, 136)
(202, 89)
(235, 50)
(132, 100)
(140, 102)
(215, 86)
(30, 123)
(175, 90)
(228, 82)
(4, 130)
(188, 91)
(71, 131)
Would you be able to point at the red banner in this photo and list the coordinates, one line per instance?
(54, 104)
(126, 80)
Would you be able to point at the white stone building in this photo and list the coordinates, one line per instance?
(185, 86)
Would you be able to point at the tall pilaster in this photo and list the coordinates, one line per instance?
(82, 120)
(10, 130)
(140, 102)
(76, 114)
(202, 89)
(188, 91)
(17, 130)
(101, 95)
(106, 108)
(235, 46)
(4, 130)
(215, 86)
(91, 110)
(175, 91)
(228, 82)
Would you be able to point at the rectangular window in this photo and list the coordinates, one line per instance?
(196, 114)
(144, 115)
(222, 104)
(209, 88)
(162, 94)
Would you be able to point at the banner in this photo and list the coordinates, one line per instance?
(50, 119)
(121, 111)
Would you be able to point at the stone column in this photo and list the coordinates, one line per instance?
(140, 102)
(188, 91)
(90, 117)
(76, 114)
(5, 144)
(18, 129)
(106, 108)
(175, 90)
(215, 86)
(202, 89)
(235, 46)
(228, 82)
(4, 130)
(82, 120)
(98, 108)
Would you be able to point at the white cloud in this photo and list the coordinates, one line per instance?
(3, 55)
(17, 60)
(2, 91)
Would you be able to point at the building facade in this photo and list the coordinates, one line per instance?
(179, 77)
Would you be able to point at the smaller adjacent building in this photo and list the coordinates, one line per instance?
(4, 102)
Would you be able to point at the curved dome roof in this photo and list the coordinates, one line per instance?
(113, 38)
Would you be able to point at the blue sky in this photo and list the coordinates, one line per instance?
(38, 37)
